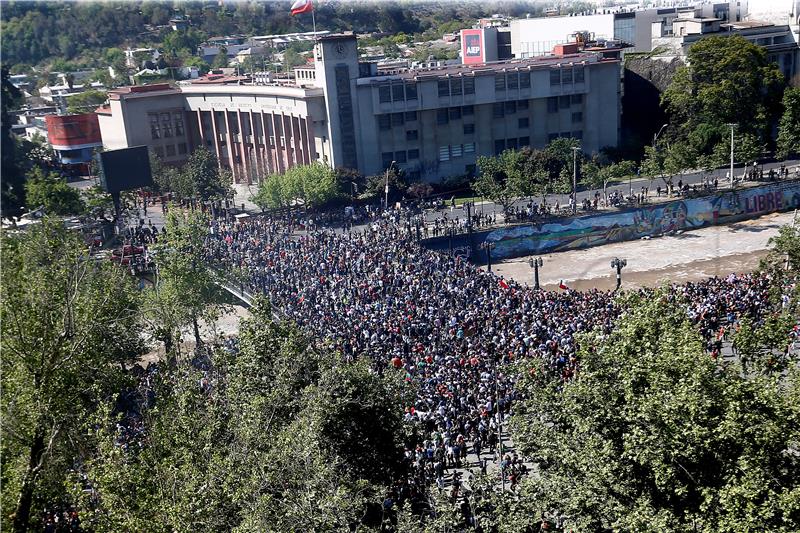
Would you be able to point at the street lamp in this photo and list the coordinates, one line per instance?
(732, 126)
(655, 137)
(535, 263)
(386, 187)
(575, 179)
(618, 264)
(488, 247)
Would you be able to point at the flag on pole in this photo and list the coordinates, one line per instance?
(562, 286)
(302, 6)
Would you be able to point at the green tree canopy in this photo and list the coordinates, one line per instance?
(51, 191)
(789, 125)
(311, 185)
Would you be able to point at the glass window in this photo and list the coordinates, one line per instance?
(524, 80)
(444, 87)
(511, 107)
(400, 156)
(524, 141)
(577, 135)
(497, 110)
(566, 75)
(411, 91)
(469, 85)
(455, 86)
(384, 94)
(411, 116)
(511, 144)
(576, 99)
(468, 110)
(444, 153)
(455, 150)
(577, 117)
(564, 101)
(178, 124)
(499, 146)
(413, 153)
(513, 80)
(522, 104)
(579, 74)
(455, 113)
(552, 137)
(552, 104)
(386, 159)
(469, 129)
(397, 92)
(155, 129)
(523, 123)
(469, 148)
(555, 77)
(384, 122)
(412, 135)
(159, 150)
(181, 148)
(441, 116)
(166, 125)
(499, 82)
(170, 150)
(398, 119)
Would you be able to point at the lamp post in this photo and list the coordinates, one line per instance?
(732, 126)
(575, 179)
(488, 247)
(655, 137)
(386, 187)
(535, 263)
(450, 233)
(618, 264)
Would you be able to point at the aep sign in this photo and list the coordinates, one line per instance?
(472, 46)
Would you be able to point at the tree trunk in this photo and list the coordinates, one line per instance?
(23, 511)
(197, 340)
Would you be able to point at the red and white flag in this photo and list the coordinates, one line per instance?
(562, 286)
(302, 6)
(503, 283)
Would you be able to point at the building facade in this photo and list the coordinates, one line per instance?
(433, 123)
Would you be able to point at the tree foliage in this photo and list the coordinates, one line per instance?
(51, 191)
(789, 125)
(311, 185)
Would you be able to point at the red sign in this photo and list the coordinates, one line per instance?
(472, 47)
(70, 132)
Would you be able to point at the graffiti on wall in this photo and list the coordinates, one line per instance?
(648, 221)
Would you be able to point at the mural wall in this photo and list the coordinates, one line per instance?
(649, 221)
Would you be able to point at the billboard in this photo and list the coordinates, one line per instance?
(73, 132)
(125, 169)
(472, 47)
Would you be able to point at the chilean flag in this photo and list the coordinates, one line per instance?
(302, 6)
(562, 285)
(503, 283)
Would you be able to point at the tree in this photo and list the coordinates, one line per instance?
(499, 178)
(221, 59)
(789, 125)
(654, 435)
(86, 102)
(311, 185)
(51, 191)
(204, 178)
(68, 331)
(12, 185)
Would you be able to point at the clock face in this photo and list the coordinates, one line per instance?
(340, 49)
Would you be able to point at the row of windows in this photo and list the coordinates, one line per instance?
(511, 144)
(164, 124)
(566, 134)
(453, 151)
(170, 150)
(456, 86)
(554, 103)
(567, 75)
(397, 92)
(390, 120)
(512, 81)
(399, 157)
(446, 114)
(500, 109)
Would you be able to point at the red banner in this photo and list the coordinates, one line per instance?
(70, 132)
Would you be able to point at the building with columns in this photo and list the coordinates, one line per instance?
(433, 123)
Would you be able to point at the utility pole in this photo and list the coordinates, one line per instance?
(575, 179)
(535, 263)
(732, 125)
(386, 188)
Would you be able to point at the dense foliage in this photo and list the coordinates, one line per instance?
(310, 186)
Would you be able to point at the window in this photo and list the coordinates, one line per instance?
(397, 119)
(397, 92)
(511, 144)
(444, 153)
(455, 113)
(469, 85)
(411, 91)
(563, 102)
(469, 148)
(497, 110)
(455, 150)
(412, 135)
(159, 150)
(411, 116)
(555, 77)
(384, 94)
(444, 87)
(523, 123)
(386, 159)
(400, 157)
(441, 116)
(524, 80)
(178, 124)
(566, 75)
(413, 154)
(565, 134)
(524, 141)
(469, 170)
(181, 148)
(513, 80)
(579, 74)
(522, 105)
(499, 146)
(155, 129)
(577, 135)
(384, 122)
(468, 110)
(469, 129)
(576, 99)
(511, 107)
(455, 86)
(552, 137)
(499, 82)
(577, 117)
(552, 104)
(170, 150)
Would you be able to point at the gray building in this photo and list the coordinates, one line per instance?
(433, 122)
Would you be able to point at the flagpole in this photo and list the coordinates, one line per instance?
(314, 23)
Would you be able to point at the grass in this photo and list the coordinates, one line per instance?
(461, 199)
